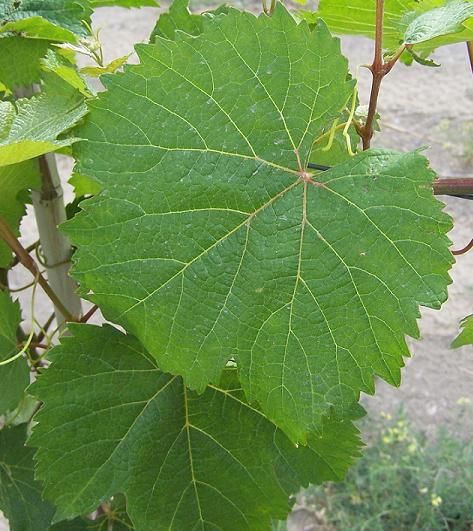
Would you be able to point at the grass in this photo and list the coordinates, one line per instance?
(402, 482)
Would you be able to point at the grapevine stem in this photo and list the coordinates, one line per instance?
(469, 45)
(464, 250)
(89, 314)
(25, 259)
(378, 69)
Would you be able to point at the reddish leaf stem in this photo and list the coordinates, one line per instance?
(25, 259)
(378, 69)
(464, 250)
(469, 45)
(89, 314)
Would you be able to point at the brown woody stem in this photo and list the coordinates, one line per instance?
(378, 69)
(469, 45)
(25, 259)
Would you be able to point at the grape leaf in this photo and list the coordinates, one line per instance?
(210, 242)
(178, 18)
(58, 64)
(20, 493)
(38, 121)
(26, 68)
(466, 335)
(58, 20)
(438, 22)
(112, 422)
(358, 18)
(14, 377)
(14, 180)
(113, 66)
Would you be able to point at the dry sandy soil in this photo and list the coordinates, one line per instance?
(419, 107)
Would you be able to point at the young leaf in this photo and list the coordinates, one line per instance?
(14, 180)
(438, 22)
(15, 376)
(58, 20)
(212, 241)
(55, 62)
(38, 121)
(20, 493)
(112, 422)
(466, 335)
(26, 68)
(113, 66)
(357, 17)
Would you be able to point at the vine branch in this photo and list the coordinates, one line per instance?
(469, 46)
(379, 68)
(25, 259)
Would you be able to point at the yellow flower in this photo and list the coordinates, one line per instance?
(463, 401)
(423, 490)
(436, 500)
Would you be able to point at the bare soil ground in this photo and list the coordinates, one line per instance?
(419, 106)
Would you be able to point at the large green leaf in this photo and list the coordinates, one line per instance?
(36, 123)
(112, 422)
(20, 493)
(26, 68)
(14, 181)
(419, 22)
(15, 376)
(210, 242)
(55, 20)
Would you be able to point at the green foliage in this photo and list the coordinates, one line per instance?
(14, 376)
(427, 24)
(178, 18)
(20, 493)
(26, 68)
(258, 298)
(183, 460)
(234, 254)
(15, 180)
(466, 335)
(35, 124)
(402, 482)
(56, 20)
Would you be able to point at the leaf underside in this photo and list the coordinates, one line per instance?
(428, 24)
(210, 241)
(36, 123)
(112, 422)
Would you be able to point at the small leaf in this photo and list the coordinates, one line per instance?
(83, 185)
(56, 63)
(438, 22)
(112, 422)
(39, 121)
(46, 19)
(15, 376)
(211, 240)
(432, 27)
(20, 493)
(113, 66)
(466, 335)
